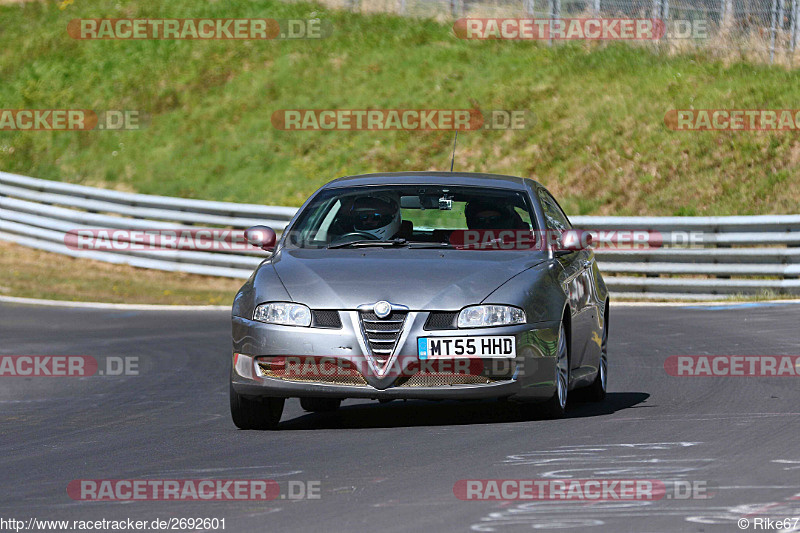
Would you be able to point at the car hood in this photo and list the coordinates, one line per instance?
(420, 279)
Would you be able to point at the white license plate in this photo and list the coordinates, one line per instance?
(478, 347)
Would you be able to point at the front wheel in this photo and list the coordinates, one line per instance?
(261, 413)
(556, 406)
(597, 390)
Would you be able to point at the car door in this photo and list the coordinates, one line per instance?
(575, 278)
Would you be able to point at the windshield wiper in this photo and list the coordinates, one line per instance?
(418, 245)
(392, 242)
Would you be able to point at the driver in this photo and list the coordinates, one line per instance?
(376, 216)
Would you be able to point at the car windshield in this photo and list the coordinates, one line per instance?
(412, 215)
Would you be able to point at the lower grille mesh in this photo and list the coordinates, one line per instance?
(442, 380)
(326, 319)
(342, 376)
(439, 320)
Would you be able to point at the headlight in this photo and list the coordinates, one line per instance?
(482, 316)
(283, 313)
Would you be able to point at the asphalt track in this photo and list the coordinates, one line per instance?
(392, 467)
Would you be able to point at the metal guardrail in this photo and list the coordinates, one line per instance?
(39, 213)
(703, 257)
(730, 255)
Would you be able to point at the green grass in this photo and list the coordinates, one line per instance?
(29, 273)
(599, 141)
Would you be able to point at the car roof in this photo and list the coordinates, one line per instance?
(474, 179)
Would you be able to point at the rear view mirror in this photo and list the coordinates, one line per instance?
(261, 237)
(429, 201)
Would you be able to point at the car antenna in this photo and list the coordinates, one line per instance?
(453, 160)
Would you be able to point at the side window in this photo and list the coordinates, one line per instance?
(554, 216)
(524, 215)
(327, 222)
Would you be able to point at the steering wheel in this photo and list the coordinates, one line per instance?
(364, 234)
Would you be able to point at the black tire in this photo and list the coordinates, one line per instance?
(556, 406)
(320, 405)
(261, 413)
(597, 390)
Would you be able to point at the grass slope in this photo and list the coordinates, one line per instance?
(29, 273)
(599, 141)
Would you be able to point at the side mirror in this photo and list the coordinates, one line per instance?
(261, 237)
(573, 240)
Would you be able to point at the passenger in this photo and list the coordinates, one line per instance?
(489, 215)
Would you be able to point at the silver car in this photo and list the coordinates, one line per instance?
(420, 285)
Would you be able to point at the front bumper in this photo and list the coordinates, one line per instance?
(529, 377)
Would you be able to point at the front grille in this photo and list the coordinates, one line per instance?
(442, 380)
(382, 334)
(326, 319)
(438, 320)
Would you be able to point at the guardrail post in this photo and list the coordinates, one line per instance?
(530, 7)
(657, 16)
(773, 30)
(780, 17)
(554, 10)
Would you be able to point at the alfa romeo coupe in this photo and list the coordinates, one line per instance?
(420, 285)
